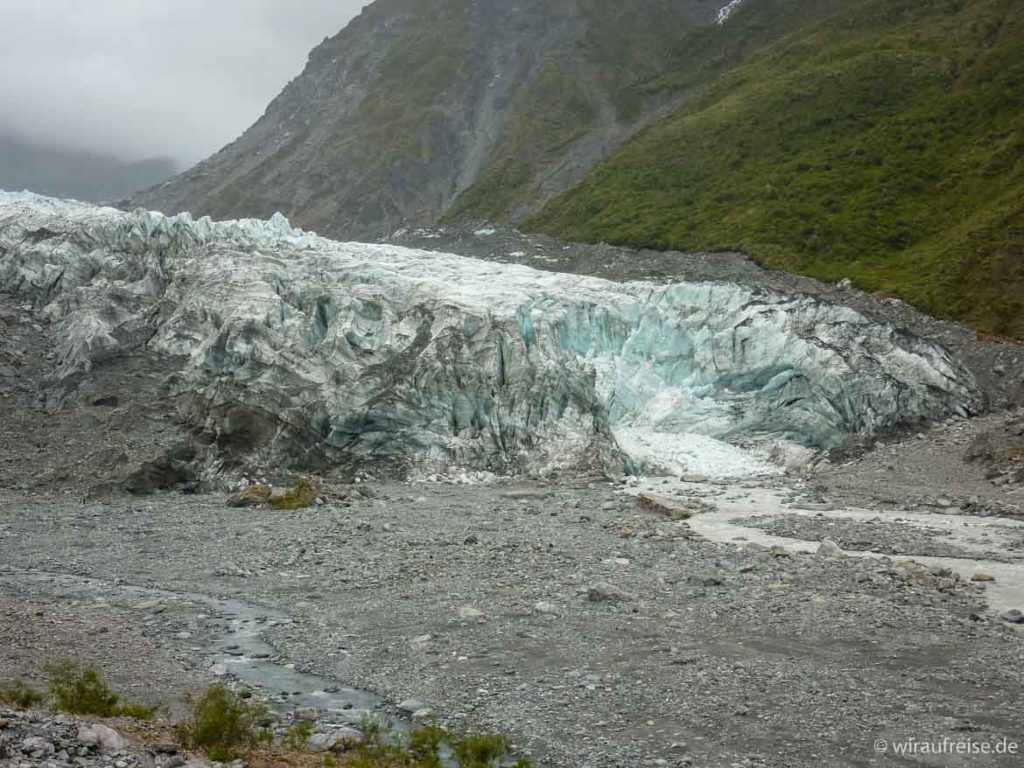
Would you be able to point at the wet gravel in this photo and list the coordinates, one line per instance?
(877, 535)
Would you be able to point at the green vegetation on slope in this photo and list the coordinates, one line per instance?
(548, 116)
(884, 145)
(628, 64)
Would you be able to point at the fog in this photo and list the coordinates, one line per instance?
(152, 78)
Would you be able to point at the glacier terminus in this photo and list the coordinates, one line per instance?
(318, 351)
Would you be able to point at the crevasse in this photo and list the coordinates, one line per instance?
(306, 348)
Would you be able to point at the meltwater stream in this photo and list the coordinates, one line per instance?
(239, 652)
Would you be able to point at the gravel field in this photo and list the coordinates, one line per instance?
(592, 631)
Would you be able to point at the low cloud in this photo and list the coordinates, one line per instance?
(149, 78)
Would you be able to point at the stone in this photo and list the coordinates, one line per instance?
(674, 510)
(828, 548)
(982, 577)
(1013, 616)
(468, 613)
(545, 608)
(603, 592)
(107, 740)
(326, 742)
(37, 747)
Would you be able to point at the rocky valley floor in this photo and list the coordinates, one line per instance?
(592, 629)
(837, 616)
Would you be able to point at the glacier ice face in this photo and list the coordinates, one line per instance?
(297, 348)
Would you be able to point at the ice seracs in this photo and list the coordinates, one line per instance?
(309, 351)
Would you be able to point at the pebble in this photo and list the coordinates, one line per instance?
(828, 548)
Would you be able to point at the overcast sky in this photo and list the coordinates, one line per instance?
(146, 78)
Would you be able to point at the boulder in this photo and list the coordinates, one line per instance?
(107, 740)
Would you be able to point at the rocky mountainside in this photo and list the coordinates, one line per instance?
(471, 108)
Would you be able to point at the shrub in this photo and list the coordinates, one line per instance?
(20, 694)
(425, 746)
(482, 751)
(79, 690)
(301, 496)
(372, 729)
(298, 735)
(252, 496)
(221, 724)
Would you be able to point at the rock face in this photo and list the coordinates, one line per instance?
(298, 349)
(477, 108)
(411, 104)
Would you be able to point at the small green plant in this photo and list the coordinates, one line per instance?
(425, 746)
(221, 724)
(79, 690)
(479, 751)
(301, 496)
(372, 729)
(20, 694)
(298, 736)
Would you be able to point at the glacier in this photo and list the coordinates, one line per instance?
(294, 349)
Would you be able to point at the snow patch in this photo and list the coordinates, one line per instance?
(726, 11)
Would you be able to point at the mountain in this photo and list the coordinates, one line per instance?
(876, 140)
(885, 145)
(63, 172)
(470, 108)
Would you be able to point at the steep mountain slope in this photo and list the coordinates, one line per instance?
(885, 145)
(64, 172)
(492, 106)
